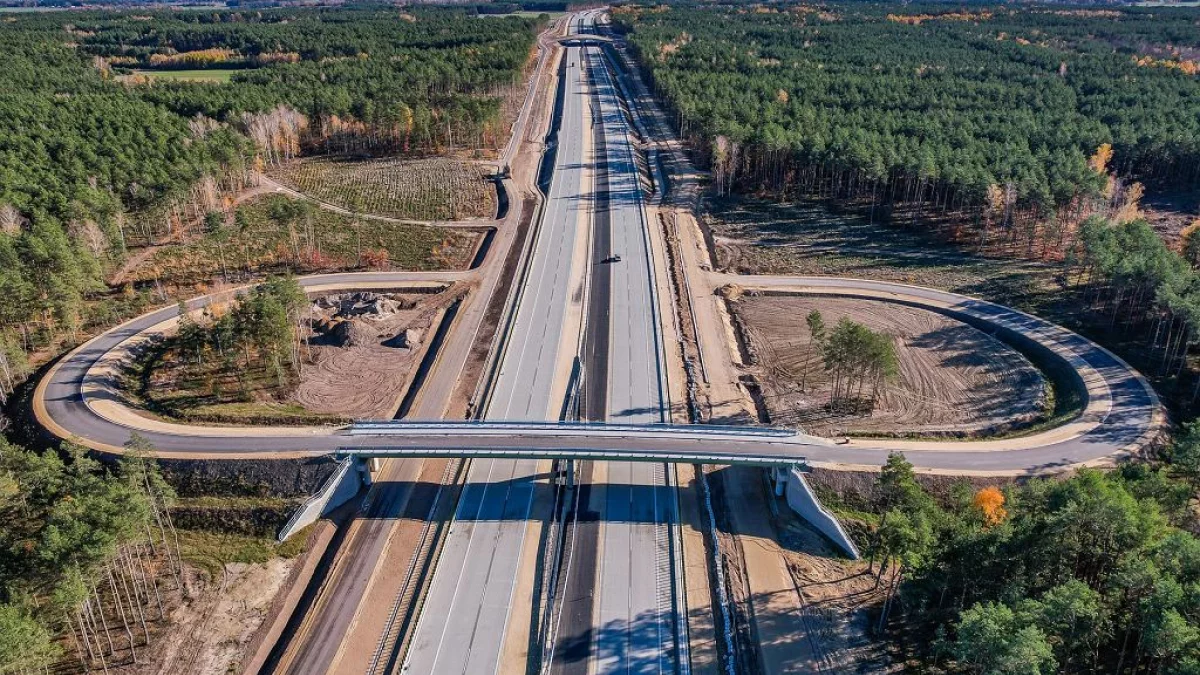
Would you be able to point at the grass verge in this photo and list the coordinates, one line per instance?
(211, 551)
(215, 75)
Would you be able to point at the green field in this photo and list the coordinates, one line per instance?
(528, 14)
(211, 551)
(217, 75)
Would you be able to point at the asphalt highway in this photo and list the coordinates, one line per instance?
(633, 627)
(470, 602)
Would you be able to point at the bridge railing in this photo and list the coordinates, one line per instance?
(388, 427)
(786, 461)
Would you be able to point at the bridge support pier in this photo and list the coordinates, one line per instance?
(367, 469)
(802, 500)
(351, 475)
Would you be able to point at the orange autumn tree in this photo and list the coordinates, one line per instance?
(990, 501)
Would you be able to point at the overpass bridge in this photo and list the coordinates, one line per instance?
(672, 443)
(582, 39)
(782, 450)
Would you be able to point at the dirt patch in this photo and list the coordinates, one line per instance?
(840, 600)
(358, 353)
(365, 350)
(954, 379)
(211, 627)
(1171, 213)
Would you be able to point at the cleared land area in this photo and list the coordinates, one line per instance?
(365, 351)
(215, 75)
(758, 237)
(276, 234)
(953, 379)
(228, 586)
(359, 355)
(423, 189)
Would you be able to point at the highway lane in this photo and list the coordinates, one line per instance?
(471, 597)
(634, 623)
(618, 612)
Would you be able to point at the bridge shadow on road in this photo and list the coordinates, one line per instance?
(507, 500)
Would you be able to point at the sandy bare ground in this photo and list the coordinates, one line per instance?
(954, 379)
(839, 599)
(801, 607)
(211, 627)
(366, 374)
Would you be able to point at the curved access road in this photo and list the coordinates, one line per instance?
(76, 399)
(1121, 415)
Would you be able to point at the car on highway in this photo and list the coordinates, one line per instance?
(611, 259)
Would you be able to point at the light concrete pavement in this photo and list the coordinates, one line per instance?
(635, 627)
(468, 627)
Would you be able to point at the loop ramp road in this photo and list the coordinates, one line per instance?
(77, 400)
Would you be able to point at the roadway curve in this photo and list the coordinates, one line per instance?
(74, 402)
(1121, 414)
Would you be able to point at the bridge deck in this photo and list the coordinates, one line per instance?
(596, 441)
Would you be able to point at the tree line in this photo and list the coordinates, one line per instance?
(88, 554)
(1006, 127)
(1144, 291)
(92, 164)
(1095, 573)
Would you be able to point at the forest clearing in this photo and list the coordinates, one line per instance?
(754, 236)
(420, 189)
(953, 379)
(275, 233)
(215, 75)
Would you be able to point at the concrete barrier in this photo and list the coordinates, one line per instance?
(805, 503)
(340, 488)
